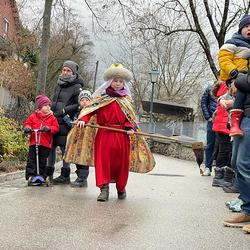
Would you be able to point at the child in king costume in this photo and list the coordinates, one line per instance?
(115, 153)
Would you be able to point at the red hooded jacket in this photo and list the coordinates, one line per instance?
(221, 116)
(37, 120)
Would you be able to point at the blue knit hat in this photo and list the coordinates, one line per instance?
(244, 21)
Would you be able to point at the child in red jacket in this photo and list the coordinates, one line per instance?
(44, 120)
(223, 173)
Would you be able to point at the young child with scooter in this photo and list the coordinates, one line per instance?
(41, 125)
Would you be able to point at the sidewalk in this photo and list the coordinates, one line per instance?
(20, 174)
(172, 207)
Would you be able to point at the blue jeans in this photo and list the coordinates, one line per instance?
(236, 141)
(209, 152)
(243, 165)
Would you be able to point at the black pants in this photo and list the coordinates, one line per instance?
(82, 171)
(31, 167)
(224, 150)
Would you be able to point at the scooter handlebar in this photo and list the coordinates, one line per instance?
(37, 130)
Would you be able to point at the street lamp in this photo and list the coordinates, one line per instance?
(154, 73)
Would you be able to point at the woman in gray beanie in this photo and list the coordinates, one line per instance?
(64, 102)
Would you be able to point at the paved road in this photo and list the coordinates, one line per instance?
(170, 208)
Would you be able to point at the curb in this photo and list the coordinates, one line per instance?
(19, 174)
(11, 176)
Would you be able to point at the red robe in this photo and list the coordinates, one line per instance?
(111, 149)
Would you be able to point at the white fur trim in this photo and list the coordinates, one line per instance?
(117, 71)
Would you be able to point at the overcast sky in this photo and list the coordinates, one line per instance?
(101, 47)
(29, 16)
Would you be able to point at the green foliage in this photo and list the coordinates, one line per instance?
(13, 144)
(30, 56)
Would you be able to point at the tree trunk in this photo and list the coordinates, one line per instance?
(44, 49)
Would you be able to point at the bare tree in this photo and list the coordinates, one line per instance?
(189, 17)
(69, 41)
(175, 17)
(44, 49)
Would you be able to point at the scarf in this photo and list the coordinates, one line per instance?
(239, 41)
(116, 93)
(43, 116)
(64, 80)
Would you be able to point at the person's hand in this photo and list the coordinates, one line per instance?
(226, 103)
(27, 130)
(59, 113)
(130, 132)
(209, 119)
(80, 124)
(232, 89)
(223, 104)
(229, 103)
(45, 129)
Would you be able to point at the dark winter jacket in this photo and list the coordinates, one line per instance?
(65, 101)
(242, 83)
(208, 103)
(36, 121)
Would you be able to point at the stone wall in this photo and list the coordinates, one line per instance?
(175, 148)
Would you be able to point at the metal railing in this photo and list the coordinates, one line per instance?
(195, 130)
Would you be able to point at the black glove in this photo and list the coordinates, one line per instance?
(45, 129)
(27, 130)
(234, 73)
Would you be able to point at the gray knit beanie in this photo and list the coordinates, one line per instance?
(72, 65)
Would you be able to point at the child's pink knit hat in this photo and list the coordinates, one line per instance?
(42, 100)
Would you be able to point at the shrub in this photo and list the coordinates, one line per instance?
(13, 143)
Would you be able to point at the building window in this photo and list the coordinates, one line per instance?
(5, 27)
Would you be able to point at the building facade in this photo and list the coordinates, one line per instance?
(9, 26)
(9, 19)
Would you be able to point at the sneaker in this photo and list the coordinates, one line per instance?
(232, 202)
(206, 172)
(236, 207)
(237, 221)
(79, 183)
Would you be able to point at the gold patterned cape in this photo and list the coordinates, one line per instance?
(80, 142)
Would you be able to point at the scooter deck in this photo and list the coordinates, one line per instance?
(38, 181)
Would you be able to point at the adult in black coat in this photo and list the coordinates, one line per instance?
(64, 102)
